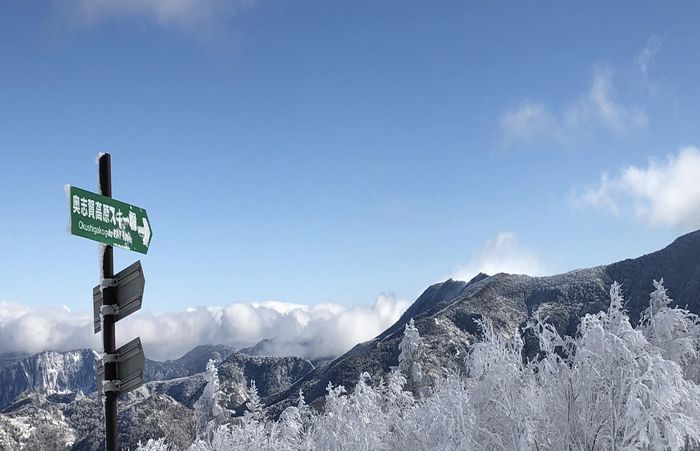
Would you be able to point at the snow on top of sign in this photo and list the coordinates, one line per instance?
(97, 160)
(101, 257)
(66, 188)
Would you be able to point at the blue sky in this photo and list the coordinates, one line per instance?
(313, 152)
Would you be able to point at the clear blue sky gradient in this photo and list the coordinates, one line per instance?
(318, 151)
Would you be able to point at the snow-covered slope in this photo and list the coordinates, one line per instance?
(67, 373)
(193, 362)
(446, 313)
(48, 373)
(49, 401)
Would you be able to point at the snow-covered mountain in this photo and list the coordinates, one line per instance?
(194, 361)
(47, 400)
(446, 312)
(48, 373)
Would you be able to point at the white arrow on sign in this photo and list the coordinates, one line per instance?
(145, 232)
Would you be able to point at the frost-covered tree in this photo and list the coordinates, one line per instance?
(251, 430)
(294, 423)
(612, 389)
(396, 401)
(411, 356)
(353, 422)
(503, 392)
(559, 391)
(154, 445)
(207, 409)
(674, 331)
(254, 407)
(604, 364)
(444, 420)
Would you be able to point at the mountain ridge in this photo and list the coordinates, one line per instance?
(446, 314)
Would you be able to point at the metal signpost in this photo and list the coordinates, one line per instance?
(111, 222)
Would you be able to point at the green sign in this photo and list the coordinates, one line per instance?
(108, 221)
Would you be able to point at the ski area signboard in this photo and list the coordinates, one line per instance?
(108, 221)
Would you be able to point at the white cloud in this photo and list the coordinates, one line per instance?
(597, 107)
(528, 121)
(202, 18)
(296, 329)
(646, 56)
(29, 329)
(663, 193)
(501, 254)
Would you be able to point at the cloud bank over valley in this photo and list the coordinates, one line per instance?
(310, 331)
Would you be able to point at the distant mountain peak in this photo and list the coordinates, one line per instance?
(477, 278)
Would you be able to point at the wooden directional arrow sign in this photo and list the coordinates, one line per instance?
(130, 283)
(108, 221)
(130, 361)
